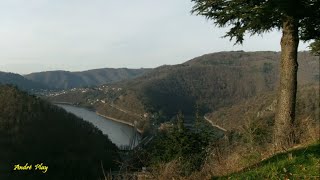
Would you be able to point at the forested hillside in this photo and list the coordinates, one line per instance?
(209, 82)
(212, 81)
(33, 131)
(95, 77)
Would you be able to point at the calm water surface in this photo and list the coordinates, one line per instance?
(118, 133)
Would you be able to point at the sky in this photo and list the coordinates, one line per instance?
(76, 35)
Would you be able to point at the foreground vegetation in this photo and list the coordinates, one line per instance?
(189, 147)
(302, 163)
(197, 153)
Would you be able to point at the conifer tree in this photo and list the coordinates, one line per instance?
(315, 47)
(180, 122)
(298, 20)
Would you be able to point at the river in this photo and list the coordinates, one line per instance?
(119, 133)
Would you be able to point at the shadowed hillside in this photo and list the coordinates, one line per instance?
(33, 131)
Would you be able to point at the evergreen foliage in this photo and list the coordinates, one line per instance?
(34, 131)
(315, 47)
(188, 146)
(259, 16)
(298, 20)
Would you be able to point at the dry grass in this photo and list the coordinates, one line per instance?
(226, 159)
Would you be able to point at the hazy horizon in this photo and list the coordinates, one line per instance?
(43, 35)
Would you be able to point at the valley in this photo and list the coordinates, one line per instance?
(225, 101)
(206, 82)
(159, 90)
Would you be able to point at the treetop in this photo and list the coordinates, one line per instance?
(260, 16)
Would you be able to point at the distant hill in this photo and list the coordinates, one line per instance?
(33, 131)
(66, 79)
(20, 81)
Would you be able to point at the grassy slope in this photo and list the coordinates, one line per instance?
(305, 164)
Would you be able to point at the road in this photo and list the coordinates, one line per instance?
(214, 125)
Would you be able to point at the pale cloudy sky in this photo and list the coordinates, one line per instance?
(41, 35)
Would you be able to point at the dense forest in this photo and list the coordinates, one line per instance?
(34, 131)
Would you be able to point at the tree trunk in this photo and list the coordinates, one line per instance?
(285, 115)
